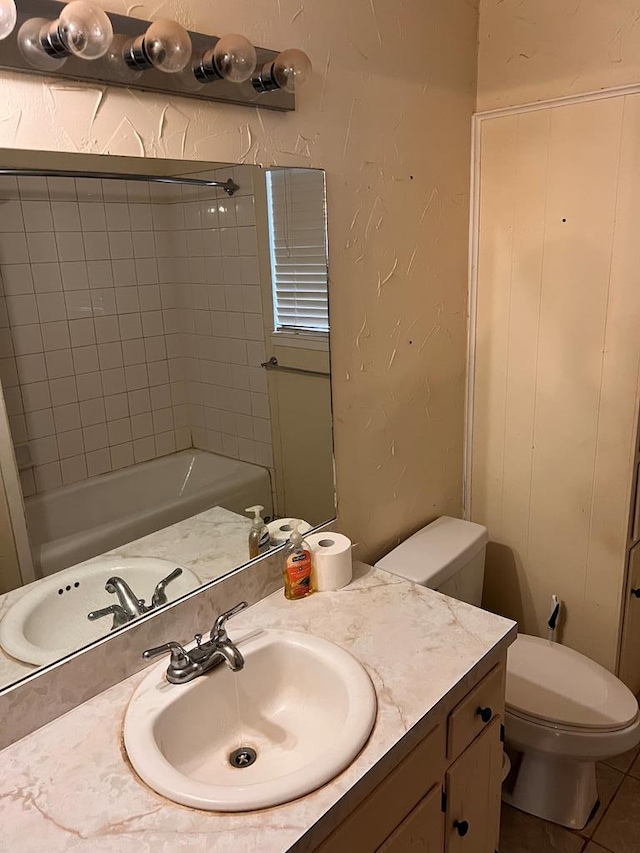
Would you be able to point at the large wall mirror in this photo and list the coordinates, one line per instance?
(164, 359)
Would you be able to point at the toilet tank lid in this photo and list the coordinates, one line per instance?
(434, 554)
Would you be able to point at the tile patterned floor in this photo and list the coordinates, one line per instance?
(615, 828)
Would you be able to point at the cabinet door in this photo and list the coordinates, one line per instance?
(473, 786)
(629, 670)
(422, 831)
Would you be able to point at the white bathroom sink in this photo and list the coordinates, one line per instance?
(304, 705)
(50, 620)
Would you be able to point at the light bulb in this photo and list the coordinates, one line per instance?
(8, 17)
(30, 46)
(235, 58)
(82, 29)
(114, 58)
(165, 46)
(291, 69)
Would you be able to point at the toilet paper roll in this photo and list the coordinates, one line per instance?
(331, 559)
(280, 529)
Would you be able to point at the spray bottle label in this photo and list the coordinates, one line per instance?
(298, 574)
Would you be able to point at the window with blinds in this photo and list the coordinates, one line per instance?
(298, 242)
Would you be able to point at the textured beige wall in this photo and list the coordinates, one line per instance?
(531, 50)
(387, 115)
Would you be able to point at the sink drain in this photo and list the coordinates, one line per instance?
(244, 756)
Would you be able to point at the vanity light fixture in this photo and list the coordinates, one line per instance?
(233, 58)
(8, 17)
(161, 56)
(165, 46)
(289, 71)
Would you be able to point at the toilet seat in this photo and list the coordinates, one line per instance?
(556, 687)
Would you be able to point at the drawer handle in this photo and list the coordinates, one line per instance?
(461, 827)
(636, 592)
(485, 714)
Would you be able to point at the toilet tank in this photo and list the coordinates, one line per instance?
(446, 555)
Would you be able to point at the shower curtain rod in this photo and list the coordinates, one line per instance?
(228, 186)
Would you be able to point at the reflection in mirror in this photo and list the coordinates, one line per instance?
(165, 375)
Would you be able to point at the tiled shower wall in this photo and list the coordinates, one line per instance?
(98, 326)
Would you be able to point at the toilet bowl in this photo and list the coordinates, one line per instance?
(564, 712)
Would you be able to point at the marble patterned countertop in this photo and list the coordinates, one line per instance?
(69, 787)
(211, 543)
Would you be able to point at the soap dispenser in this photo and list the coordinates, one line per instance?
(259, 533)
(297, 566)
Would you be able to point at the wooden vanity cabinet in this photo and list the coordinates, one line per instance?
(444, 797)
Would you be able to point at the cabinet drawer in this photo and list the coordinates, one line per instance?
(422, 831)
(476, 711)
(367, 827)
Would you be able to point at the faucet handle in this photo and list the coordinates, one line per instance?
(159, 595)
(179, 655)
(218, 631)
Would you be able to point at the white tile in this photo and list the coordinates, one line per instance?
(110, 356)
(212, 244)
(70, 443)
(214, 273)
(83, 332)
(251, 299)
(37, 216)
(133, 351)
(216, 297)
(144, 244)
(42, 248)
(117, 216)
(144, 449)
(183, 438)
(11, 216)
(51, 307)
(261, 430)
(17, 279)
(96, 245)
(40, 423)
(73, 469)
(106, 329)
(85, 359)
(130, 326)
(226, 213)
(236, 324)
(6, 343)
(74, 275)
(256, 353)
(89, 189)
(61, 189)
(138, 192)
(233, 297)
(149, 297)
(229, 242)
(124, 272)
(103, 301)
(8, 373)
(55, 335)
(247, 242)
(13, 401)
(114, 190)
(66, 417)
(70, 246)
(89, 386)
(246, 450)
(146, 271)
(158, 373)
(119, 431)
(254, 327)
(113, 381)
(28, 483)
(241, 377)
(160, 397)
(211, 419)
(245, 210)
(141, 425)
(195, 244)
(230, 445)
(162, 420)
(63, 391)
(95, 437)
(228, 423)
(98, 462)
(116, 406)
(35, 395)
(258, 380)
(48, 476)
(136, 377)
(27, 339)
(92, 216)
(122, 455)
(99, 274)
(264, 454)
(250, 271)
(92, 412)
(165, 443)
(120, 244)
(9, 187)
(152, 324)
(155, 348)
(139, 401)
(31, 368)
(79, 304)
(260, 405)
(46, 277)
(232, 271)
(66, 215)
(140, 217)
(22, 309)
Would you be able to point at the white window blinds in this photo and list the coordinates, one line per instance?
(298, 240)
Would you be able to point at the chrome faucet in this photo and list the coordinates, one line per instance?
(186, 665)
(129, 606)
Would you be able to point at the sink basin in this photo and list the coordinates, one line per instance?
(50, 620)
(303, 705)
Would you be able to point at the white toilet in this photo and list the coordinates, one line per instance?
(564, 712)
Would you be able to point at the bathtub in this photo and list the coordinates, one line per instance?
(72, 523)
